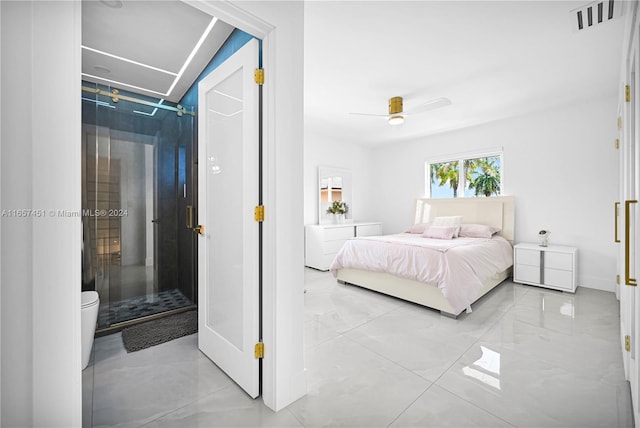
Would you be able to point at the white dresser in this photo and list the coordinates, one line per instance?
(322, 241)
(552, 267)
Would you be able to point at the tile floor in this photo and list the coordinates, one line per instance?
(525, 357)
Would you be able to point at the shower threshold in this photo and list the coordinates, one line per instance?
(114, 316)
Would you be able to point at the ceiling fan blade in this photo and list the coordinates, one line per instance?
(430, 105)
(370, 114)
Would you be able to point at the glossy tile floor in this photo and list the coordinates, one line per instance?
(525, 357)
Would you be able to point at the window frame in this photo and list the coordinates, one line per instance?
(460, 158)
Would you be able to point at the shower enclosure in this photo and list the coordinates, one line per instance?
(138, 200)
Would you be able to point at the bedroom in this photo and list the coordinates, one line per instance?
(366, 203)
(554, 121)
(558, 142)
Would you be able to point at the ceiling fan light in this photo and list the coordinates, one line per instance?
(396, 120)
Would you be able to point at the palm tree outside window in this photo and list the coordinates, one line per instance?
(468, 176)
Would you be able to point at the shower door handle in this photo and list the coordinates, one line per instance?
(189, 217)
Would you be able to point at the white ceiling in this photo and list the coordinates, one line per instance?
(152, 40)
(493, 60)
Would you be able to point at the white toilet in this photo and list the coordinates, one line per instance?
(90, 305)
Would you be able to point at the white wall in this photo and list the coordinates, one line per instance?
(324, 151)
(40, 265)
(561, 165)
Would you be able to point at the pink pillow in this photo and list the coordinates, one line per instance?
(477, 231)
(452, 220)
(417, 228)
(440, 232)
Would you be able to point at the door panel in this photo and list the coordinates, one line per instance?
(228, 251)
(629, 254)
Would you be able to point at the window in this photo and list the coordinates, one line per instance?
(471, 175)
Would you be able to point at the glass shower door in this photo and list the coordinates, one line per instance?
(137, 181)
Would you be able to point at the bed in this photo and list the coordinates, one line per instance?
(495, 212)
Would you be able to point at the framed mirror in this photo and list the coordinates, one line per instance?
(334, 184)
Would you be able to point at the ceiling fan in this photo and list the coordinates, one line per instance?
(397, 115)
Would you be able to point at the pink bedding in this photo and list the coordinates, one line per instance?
(457, 266)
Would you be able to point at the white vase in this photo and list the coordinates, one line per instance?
(338, 218)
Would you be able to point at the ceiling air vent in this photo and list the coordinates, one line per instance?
(595, 13)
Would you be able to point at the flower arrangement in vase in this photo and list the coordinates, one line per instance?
(338, 209)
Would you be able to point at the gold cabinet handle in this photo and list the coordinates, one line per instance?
(627, 213)
(615, 217)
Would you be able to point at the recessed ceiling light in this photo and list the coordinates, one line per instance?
(113, 4)
(101, 69)
(177, 76)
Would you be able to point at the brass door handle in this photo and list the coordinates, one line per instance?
(615, 218)
(199, 229)
(627, 212)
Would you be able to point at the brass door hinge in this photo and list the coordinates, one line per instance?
(618, 279)
(617, 143)
(619, 122)
(259, 213)
(627, 93)
(258, 76)
(627, 343)
(258, 350)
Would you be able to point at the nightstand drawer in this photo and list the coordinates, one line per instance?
(528, 257)
(558, 278)
(563, 261)
(524, 273)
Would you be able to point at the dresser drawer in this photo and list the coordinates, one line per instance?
(322, 242)
(563, 261)
(338, 233)
(528, 257)
(369, 230)
(332, 247)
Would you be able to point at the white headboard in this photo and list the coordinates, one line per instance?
(494, 211)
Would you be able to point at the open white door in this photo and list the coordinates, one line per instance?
(228, 247)
(630, 195)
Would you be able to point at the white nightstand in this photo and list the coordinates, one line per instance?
(552, 267)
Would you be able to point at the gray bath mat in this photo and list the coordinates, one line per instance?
(158, 331)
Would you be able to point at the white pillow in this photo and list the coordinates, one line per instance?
(453, 220)
(439, 232)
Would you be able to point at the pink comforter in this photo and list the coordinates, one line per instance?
(457, 266)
